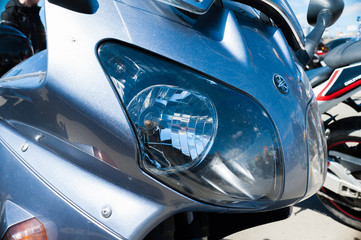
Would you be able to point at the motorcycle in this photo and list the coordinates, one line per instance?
(335, 83)
(323, 49)
(161, 120)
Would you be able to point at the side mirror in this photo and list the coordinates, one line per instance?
(321, 14)
(334, 7)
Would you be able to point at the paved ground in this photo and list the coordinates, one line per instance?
(310, 220)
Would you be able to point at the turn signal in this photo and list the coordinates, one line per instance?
(31, 229)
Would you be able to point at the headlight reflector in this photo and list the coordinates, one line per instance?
(176, 127)
(199, 137)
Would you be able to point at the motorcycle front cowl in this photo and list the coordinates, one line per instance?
(135, 117)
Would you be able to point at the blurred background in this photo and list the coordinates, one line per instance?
(4, 2)
(348, 26)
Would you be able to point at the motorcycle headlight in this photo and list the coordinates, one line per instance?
(317, 149)
(200, 137)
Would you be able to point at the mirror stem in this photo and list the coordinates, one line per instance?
(314, 37)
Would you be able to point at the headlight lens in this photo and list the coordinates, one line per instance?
(317, 150)
(199, 137)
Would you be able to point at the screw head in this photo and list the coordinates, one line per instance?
(106, 212)
(24, 147)
(38, 137)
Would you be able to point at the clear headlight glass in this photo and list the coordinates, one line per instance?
(317, 149)
(200, 137)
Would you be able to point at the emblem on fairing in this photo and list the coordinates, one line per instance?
(280, 84)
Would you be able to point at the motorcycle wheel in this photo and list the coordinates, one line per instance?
(342, 138)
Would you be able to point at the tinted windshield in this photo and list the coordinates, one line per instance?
(288, 10)
(195, 6)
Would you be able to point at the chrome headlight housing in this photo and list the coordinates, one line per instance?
(198, 136)
(317, 149)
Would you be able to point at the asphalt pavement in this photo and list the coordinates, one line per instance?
(310, 220)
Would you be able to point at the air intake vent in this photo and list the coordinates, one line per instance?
(81, 6)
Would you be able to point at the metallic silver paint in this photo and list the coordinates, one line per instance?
(82, 107)
(12, 214)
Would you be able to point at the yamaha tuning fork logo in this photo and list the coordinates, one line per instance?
(280, 84)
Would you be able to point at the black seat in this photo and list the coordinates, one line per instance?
(319, 75)
(343, 55)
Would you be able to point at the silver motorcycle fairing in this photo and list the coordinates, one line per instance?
(62, 108)
(240, 52)
(277, 10)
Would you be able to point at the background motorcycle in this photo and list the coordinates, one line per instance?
(151, 120)
(338, 82)
(323, 49)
